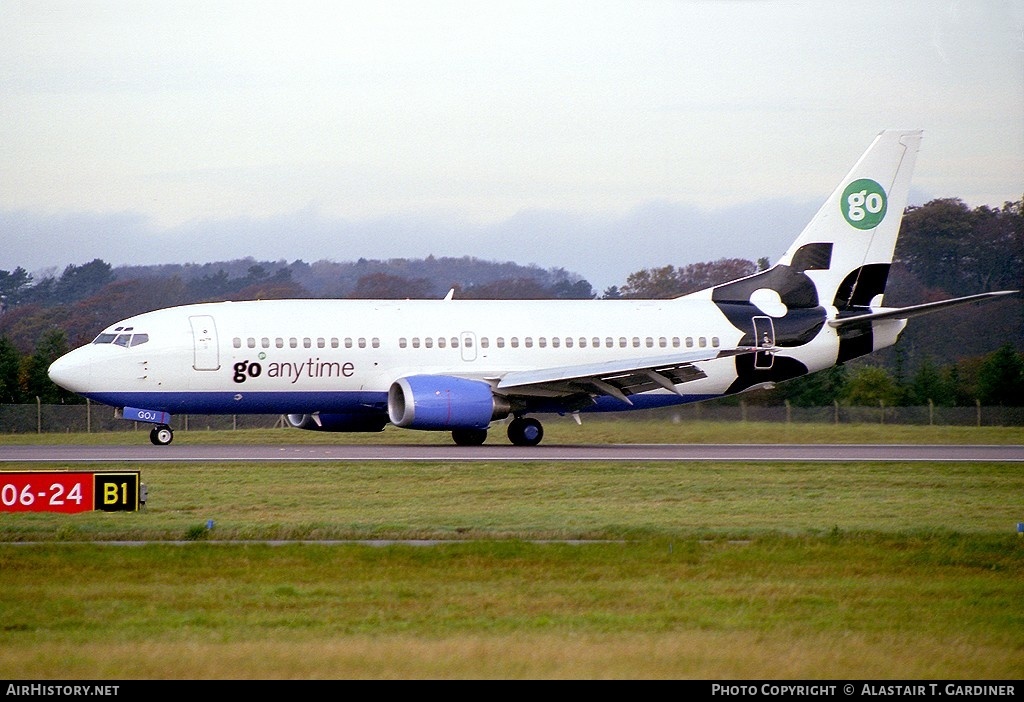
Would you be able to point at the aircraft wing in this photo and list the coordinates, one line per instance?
(916, 310)
(619, 379)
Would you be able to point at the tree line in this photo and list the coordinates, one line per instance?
(945, 249)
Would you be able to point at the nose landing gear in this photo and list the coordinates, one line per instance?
(161, 435)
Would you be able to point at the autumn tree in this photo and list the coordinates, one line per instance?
(384, 286)
(670, 281)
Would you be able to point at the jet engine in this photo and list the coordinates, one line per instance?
(442, 402)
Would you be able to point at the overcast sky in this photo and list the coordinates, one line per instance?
(599, 137)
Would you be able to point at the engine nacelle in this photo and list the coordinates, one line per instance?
(338, 421)
(443, 402)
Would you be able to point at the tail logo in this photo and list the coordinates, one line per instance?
(864, 203)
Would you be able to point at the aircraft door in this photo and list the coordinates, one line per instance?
(467, 341)
(764, 337)
(204, 339)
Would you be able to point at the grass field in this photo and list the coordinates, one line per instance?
(612, 570)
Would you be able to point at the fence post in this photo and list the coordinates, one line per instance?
(881, 411)
(931, 412)
(835, 406)
(977, 403)
(39, 415)
(88, 416)
(789, 412)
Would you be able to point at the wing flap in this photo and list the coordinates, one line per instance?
(618, 379)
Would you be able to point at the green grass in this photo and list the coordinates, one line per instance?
(701, 570)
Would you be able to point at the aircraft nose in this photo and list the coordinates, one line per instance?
(68, 372)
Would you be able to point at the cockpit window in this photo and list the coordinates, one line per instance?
(125, 338)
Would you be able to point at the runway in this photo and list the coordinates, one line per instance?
(829, 453)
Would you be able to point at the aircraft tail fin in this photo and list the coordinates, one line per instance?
(847, 248)
(842, 257)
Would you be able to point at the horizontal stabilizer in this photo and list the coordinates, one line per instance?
(917, 310)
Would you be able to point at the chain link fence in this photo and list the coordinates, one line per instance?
(90, 418)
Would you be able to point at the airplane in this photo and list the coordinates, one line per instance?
(461, 365)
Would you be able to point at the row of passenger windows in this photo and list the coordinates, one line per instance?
(568, 342)
(500, 342)
(306, 342)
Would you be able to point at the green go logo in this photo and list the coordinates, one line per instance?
(864, 203)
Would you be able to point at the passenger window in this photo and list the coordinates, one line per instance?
(348, 342)
(251, 342)
(236, 342)
(608, 342)
(714, 341)
(702, 342)
(375, 342)
(650, 342)
(528, 342)
(334, 342)
(455, 342)
(662, 342)
(293, 342)
(265, 342)
(321, 343)
(484, 343)
(402, 342)
(307, 343)
(279, 342)
(500, 342)
(636, 342)
(514, 342)
(542, 342)
(415, 342)
(675, 342)
(429, 342)
(689, 342)
(568, 342)
(441, 343)
(362, 342)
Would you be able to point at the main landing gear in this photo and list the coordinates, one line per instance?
(522, 431)
(161, 435)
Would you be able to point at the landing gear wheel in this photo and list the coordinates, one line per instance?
(525, 431)
(469, 437)
(161, 435)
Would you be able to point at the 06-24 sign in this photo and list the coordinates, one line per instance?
(59, 491)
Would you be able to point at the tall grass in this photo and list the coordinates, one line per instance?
(500, 570)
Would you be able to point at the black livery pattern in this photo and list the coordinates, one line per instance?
(804, 316)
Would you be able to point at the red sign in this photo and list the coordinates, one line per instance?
(58, 491)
